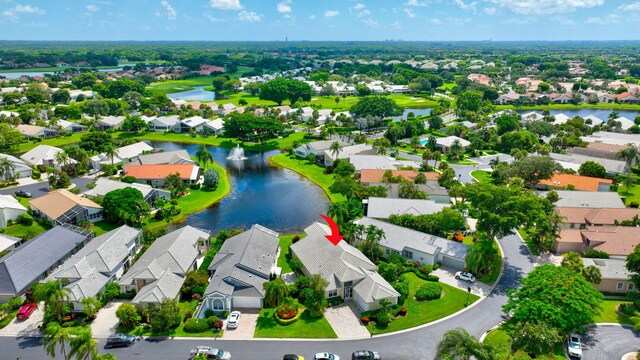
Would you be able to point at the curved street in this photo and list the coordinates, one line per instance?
(414, 344)
(607, 341)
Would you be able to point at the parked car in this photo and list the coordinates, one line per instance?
(24, 194)
(25, 311)
(210, 352)
(574, 346)
(292, 357)
(92, 171)
(234, 320)
(365, 355)
(326, 356)
(120, 340)
(468, 277)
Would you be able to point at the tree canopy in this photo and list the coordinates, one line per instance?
(125, 206)
(376, 106)
(249, 127)
(281, 89)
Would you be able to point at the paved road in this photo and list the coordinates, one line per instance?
(609, 342)
(40, 189)
(416, 344)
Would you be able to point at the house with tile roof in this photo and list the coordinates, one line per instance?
(20, 168)
(370, 176)
(160, 272)
(31, 131)
(110, 122)
(350, 274)
(583, 183)
(101, 261)
(36, 258)
(617, 241)
(240, 268)
(44, 155)
(581, 217)
(10, 209)
(103, 186)
(64, 207)
(382, 208)
(155, 174)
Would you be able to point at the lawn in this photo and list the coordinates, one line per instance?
(422, 312)
(609, 314)
(305, 327)
(311, 171)
(57, 142)
(633, 194)
(7, 319)
(102, 227)
(25, 232)
(527, 240)
(172, 86)
(285, 243)
(447, 86)
(570, 106)
(179, 331)
(483, 177)
(501, 339)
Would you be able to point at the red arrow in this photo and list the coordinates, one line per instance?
(335, 236)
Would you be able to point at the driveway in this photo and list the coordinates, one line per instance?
(247, 326)
(106, 321)
(609, 342)
(345, 321)
(39, 189)
(448, 276)
(27, 327)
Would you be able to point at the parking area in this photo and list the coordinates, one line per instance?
(345, 321)
(448, 276)
(29, 327)
(247, 326)
(106, 321)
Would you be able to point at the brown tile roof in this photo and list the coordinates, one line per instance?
(597, 216)
(570, 236)
(584, 183)
(375, 175)
(606, 147)
(159, 171)
(60, 201)
(614, 240)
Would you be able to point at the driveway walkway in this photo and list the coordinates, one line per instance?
(609, 341)
(27, 327)
(106, 321)
(247, 326)
(448, 276)
(345, 321)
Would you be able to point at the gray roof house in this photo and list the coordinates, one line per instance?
(573, 161)
(164, 157)
(350, 274)
(164, 124)
(159, 273)
(418, 246)
(101, 261)
(317, 147)
(35, 259)
(436, 192)
(110, 122)
(43, 155)
(20, 168)
(382, 208)
(240, 268)
(105, 185)
(615, 276)
(380, 162)
(588, 199)
(196, 123)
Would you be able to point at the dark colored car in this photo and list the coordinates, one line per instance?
(25, 311)
(292, 357)
(120, 340)
(24, 194)
(365, 355)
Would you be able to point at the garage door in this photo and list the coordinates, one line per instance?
(246, 302)
(453, 263)
(361, 304)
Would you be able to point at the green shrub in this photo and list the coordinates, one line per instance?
(194, 325)
(402, 287)
(335, 300)
(25, 219)
(432, 278)
(14, 303)
(436, 266)
(128, 179)
(35, 174)
(212, 320)
(225, 314)
(208, 313)
(287, 321)
(595, 254)
(628, 309)
(195, 186)
(429, 291)
(383, 319)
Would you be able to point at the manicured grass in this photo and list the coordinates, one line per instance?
(528, 242)
(311, 171)
(7, 319)
(632, 194)
(483, 177)
(285, 243)
(172, 86)
(571, 106)
(422, 312)
(179, 331)
(25, 232)
(468, 240)
(305, 327)
(57, 142)
(609, 314)
(501, 339)
(447, 86)
(102, 227)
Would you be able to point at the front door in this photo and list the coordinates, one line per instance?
(347, 292)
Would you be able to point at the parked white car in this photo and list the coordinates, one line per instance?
(326, 356)
(468, 277)
(210, 353)
(574, 347)
(234, 320)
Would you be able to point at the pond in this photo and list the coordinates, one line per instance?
(416, 112)
(197, 94)
(279, 199)
(19, 74)
(602, 114)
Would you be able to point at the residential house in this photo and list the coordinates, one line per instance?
(110, 122)
(584, 183)
(581, 217)
(371, 176)
(213, 127)
(101, 261)
(613, 138)
(9, 243)
(444, 144)
(240, 268)
(627, 98)
(592, 120)
(532, 116)
(19, 168)
(123, 154)
(382, 208)
(606, 98)
(617, 241)
(573, 161)
(357, 154)
(226, 109)
(380, 162)
(88, 94)
(164, 157)
(507, 98)
(577, 199)
(598, 150)
(32, 131)
(480, 78)
(103, 186)
(160, 272)
(195, 123)
(63, 207)
(44, 155)
(560, 119)
(317, 148)
(563, 98)
(418, 246)
(625, 123)
(70, 126)
(350, 274)
(155, 175)
(36, 258)
(614, 274)
(164, 124)
(10, 210)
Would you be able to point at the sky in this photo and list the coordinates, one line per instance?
(324, 20)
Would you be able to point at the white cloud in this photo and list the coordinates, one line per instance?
(92, 8)
(213, 18)
(630, 7)
(464, 6)
(370, 22)
(312, 17)
(284, 7)
(170, 12)
(490, 10)
(363, 13)
(416, 3)
(605, 20)
(409, 13)
(522, 21)
(331, 13)
(249, 16)
(225, 4)
(359, 6)
(563, 20)
(546, 6)
(22, 9)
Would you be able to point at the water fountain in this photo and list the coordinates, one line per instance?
(237, 153)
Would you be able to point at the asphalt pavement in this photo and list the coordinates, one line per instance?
(41, 188)
(609, 341)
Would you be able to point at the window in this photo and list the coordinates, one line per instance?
(620, 286)
(386, 251)
(630, 286)
(333, 293)
(218, 305)
(407, 254)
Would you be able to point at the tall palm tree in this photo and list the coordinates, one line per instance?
(83, 346)
(62, 158)
(335, 149)
(340, 212)
(456, 149)
(458, 344)
(111, 152)
(372, 240)
(53, 294)
(54, 336)
(203, 155)
(91, 306)
(426, 156)
(6, 168)
(275, 291)
(631, 157)
(480, 256)
(436, 156)
(432, 142)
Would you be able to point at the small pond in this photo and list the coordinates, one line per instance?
(416, 112)
(279, 199)
(197, 94)
(602, 114)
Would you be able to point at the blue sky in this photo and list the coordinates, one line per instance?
(423, 20)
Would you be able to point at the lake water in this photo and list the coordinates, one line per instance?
(602, 114)
(197, 94)
(19, 74)
(279, 199)
(416, 112)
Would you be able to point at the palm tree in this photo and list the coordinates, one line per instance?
(6, 168)
(83, 346)
(203, 155)
(592, 274)
(335, 149)
(62, 158)
(340, 212)
(372, 239)
(432, 142)
(53, 294)
(457, 344)
(613, 115)
(275, 291)
(111, 152)
(56, 335)
(456, 149)
(426, 156)
(480, 257)
(91, 306)
(631, 157)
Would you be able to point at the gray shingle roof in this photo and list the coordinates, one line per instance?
(615, 269)
(588, 199)
(374, 288)
(30, 260)
(166, 287)
(612, 166)
(165, 157)
(104, 186)
(382, 208)
(244, 262)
